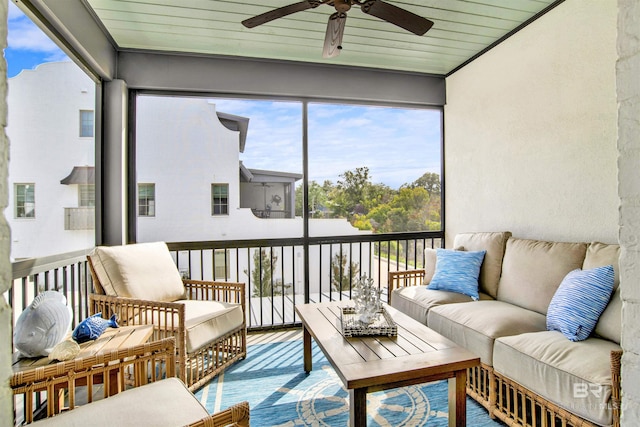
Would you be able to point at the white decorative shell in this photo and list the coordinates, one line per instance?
(66, 350)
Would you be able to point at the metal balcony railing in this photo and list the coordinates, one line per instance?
(278, 272)
(268, 213)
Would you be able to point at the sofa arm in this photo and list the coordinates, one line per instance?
(400, 279)
(236, 415)
(616, 357)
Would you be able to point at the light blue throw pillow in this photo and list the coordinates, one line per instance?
(457, 271)
(579, 301)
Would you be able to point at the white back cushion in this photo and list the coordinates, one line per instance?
(142, 271)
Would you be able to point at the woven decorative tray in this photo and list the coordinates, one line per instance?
(382, 325)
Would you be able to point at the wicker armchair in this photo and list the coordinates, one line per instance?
(146, 389)
(140, 283)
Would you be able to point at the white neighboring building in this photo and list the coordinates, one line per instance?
(192, 186)
(183, 151)
(50, 129)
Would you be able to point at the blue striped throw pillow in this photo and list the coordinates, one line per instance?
(457, 271)
(579, 301)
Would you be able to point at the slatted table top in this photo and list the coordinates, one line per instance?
(416, 352)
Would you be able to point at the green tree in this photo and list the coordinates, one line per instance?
(342, 276)
(407, 211)
(414, 207)
(262, 275)
(429, 181)
(318, 196)
(378, 194)
(351, 191)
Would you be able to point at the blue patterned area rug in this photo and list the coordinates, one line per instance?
(280, 394)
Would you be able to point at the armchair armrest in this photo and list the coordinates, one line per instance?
(236, 415)
(230, 292)
(167, 318)
(131, 311)
(400, 279)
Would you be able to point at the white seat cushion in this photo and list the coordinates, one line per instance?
(574, 375)
(162, 403)
(416, 301)
(142, 271)
(475, 325)
(206, 321)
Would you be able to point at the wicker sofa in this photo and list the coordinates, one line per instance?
(529, 375)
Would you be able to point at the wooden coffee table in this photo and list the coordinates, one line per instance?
(367, 364)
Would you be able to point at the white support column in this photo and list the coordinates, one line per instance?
(6, 397)
(112, 171)
(628, 87)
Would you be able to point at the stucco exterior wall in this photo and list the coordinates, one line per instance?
(6, 400)
(43, 152)
(530, 143)
(628, 84)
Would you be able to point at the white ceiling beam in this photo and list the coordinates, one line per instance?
(269, 78)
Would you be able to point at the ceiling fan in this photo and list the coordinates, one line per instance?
(335, 27)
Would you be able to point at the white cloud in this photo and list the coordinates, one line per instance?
(14, 11)
(25, 35)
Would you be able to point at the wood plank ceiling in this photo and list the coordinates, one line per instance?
(462, 29)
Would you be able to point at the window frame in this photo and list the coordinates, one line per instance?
(83, 124)
(225, 205)
(86, 189)
(148, 199)
(221, 267)
(18, 195)
(305, 101)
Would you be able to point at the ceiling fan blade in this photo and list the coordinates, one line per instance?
(280, 12)
(333, 38)
(397, 16)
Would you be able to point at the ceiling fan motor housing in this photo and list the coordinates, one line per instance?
(342, 6)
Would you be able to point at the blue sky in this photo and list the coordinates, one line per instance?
(397, 145)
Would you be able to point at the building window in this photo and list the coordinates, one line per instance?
(86, 123)
(25, 200)
(146, 200)
(86, 195)
(221, 264)
(219, 199)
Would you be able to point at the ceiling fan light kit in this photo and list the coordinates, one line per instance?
(335, 27)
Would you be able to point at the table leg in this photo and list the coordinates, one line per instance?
(358, 407)
(114, 383)
(458, 399)
(306, 339)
